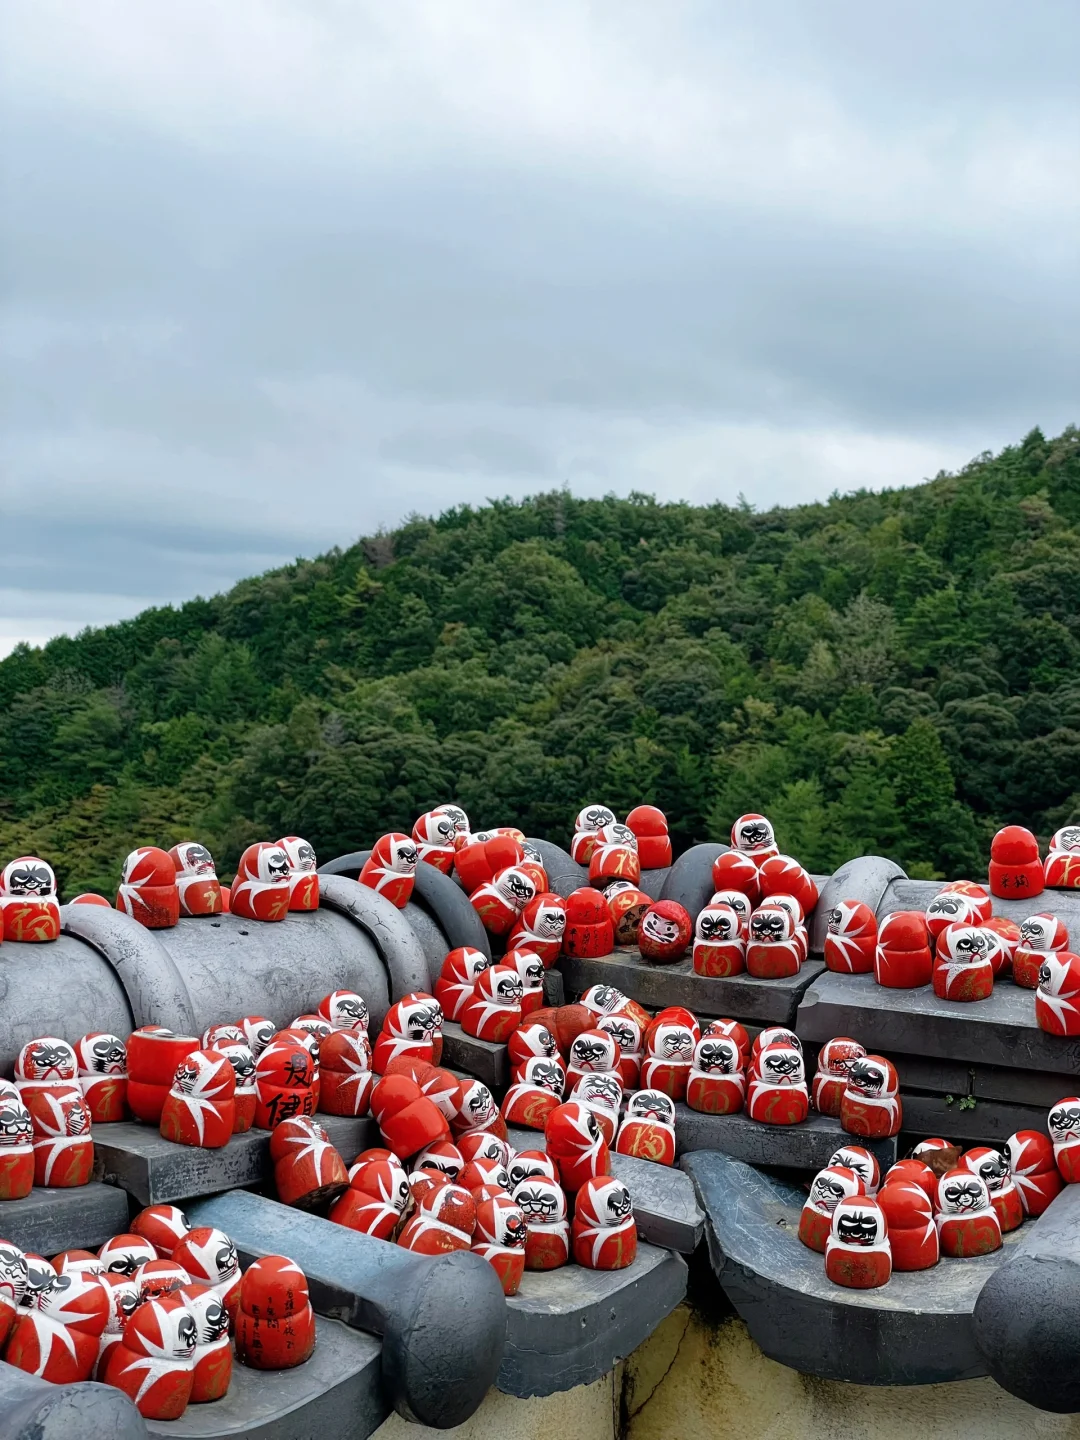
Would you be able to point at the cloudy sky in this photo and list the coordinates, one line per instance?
(278, 272)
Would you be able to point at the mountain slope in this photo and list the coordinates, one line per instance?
(895, 672)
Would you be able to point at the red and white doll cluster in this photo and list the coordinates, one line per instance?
(45, 1117)
(151, 1313)
(939, 1202)
(157, 887)
(29, 908)
(755, 921)
(614, 851)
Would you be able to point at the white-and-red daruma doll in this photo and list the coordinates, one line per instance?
(915, 1172)
(1016, 871)
(390, 869)
(603, 1094)
(284, 1083)
(795, 910)
(607, 1000)
(857, 1252)
(532, 1039)
(1063, 1123)
(164, 1226)
(539, 1090)
(614, 861)
(773, 1035)
(376, 1198)
(123, 1254)
(835, 1059)
(197, 883)
(215, 1035)
(1061, 868)
(154, 1363)
(258, 1032)
(475, 1109)
(603, 1231)
(435, 836)
(1057, 998)
(993, 1167)
(13, 1286)
(460, 971)
(1004, 936)
(457, 815)
(303, 873)
(531, 1165)
(307, 1168)
(966, 1221)
(540, 927)
(903, 959)
(493, 1011)
(954, 907)
(647, 1131)
(209, 1257)
(212, 1362)
(443, 1221)
(665, 932)
(729, 1030)
(45, 1065)
(851, 938)
(629, 1036)
(913, 1236)
(781, 875)
(542, 1203)
(669, 1056)
(124, 1298)
(978, 893)
(444, 1156)
(500, 901)
(870, 1106)
(772, 950)
(57, 1333)
(275, 1324)
(716, 1084)
(1040, 935)
(828, 1188)
(719, 945)
(940, 1154)
(738, 902)
(245, 1096)
(863, 1162)
(530, 971)
(16, 1146)
(148, 891)
(1034, 1170)
(753, 835)
(588, 932)
(576, 1143)
(962, 964)
(260, 890)
(590, 821)
(200, 1108)
(651, 829)
(592, 1052)
(63, 1144)
(411, 1027)
(777, 1093)
(735, 872)
(483, 1144)
(345, 1010)
(29, 912)
(345, 1073)
(499, 1238)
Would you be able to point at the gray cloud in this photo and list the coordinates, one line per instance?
(767, 250)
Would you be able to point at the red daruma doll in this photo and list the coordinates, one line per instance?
(148, 890)
(966, 1221)
(851, 938)
(665, 932)
(28, 908)
(275, 1324)
(871, 1105)
(829, 1187)
(197, 884)
(857, 1253)
(719, 947)
(1016, 872)
(1034, 1170)
(390, 870)
(261, 888)
(777, 1094)
(962, 965)
(835, 1059)
(1063, 1123)
(603, 1229)
(1057, 999)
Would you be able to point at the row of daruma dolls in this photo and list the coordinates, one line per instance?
(710, 1065)
(937, 1202)
(158, 886)
(151, 1313)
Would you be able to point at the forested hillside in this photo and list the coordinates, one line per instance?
(894, 673)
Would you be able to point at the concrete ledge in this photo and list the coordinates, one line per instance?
(998, 1031)
(767, 1002)
(808, 1146)
(155, 1171)
(989, 1123)
(51, 1220)
(482, 1058)
(665, 1206)
(916, 1330)
(336, 1395)
(570, 1326)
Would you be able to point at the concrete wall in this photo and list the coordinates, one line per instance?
(694, 1380)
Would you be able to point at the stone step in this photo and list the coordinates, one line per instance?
(808, 1146)
(51, 1220)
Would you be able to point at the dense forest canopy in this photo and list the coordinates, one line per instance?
(893, 673)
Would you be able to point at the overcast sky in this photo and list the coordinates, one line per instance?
(278, 272)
